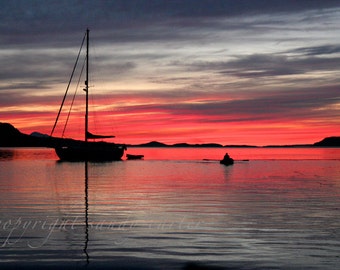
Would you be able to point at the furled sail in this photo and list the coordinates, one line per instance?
(94, 136)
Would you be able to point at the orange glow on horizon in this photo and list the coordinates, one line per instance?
(157, 126)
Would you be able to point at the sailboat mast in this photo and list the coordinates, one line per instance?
(87, 85)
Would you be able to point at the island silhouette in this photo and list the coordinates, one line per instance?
(12, 137)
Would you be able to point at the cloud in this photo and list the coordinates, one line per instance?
(267, 65)
(317, 50)
(19, 97)
(32, 64)
(276, 106)
(42, 22)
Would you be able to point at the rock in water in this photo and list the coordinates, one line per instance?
(227, 160)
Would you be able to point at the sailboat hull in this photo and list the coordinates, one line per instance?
(99, 151)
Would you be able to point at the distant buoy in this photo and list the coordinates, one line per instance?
(227, 160)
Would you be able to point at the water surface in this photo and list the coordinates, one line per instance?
(279, 210)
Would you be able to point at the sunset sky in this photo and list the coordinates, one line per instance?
(231, 72)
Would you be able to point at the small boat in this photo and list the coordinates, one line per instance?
(131, 157)
(86, 150)
(227, 160)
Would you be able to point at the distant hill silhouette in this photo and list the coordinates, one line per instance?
(159, 144)
(150, 144)
(329, 141)
(179, 145)
(40, 135)
(12, 137)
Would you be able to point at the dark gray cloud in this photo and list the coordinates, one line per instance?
(33, 64)
(269, 65)
(272, 65)
(37, 22)
(317, 50)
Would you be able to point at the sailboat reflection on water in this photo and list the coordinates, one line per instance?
(86, 214)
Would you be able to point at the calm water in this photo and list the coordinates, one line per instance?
(279, 210)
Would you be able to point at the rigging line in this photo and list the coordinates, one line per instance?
(68, 86)
(74, 96)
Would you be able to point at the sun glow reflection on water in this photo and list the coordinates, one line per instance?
(263, 213)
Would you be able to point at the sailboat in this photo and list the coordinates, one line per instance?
(87, 150)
